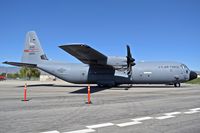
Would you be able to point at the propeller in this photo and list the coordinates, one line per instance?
(130, 60)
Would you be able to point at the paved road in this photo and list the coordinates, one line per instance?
(57, 107)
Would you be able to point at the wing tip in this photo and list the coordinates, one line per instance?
(19, 64)
(5, 62)
(74, 45)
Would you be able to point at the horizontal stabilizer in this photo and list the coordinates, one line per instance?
(19, 64)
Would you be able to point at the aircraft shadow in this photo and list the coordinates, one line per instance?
(53, 85)
(36, 85)
(161, 86)
(93, 89)
(83, 90)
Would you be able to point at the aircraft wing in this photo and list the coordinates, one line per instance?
(85, 54)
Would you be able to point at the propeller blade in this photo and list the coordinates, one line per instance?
(128, 51)
(130, 60)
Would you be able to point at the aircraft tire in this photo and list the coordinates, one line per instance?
(100, 85)
(177, 84)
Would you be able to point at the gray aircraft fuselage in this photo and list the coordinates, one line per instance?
(143, 73)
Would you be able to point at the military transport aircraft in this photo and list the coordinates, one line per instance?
(101, 69)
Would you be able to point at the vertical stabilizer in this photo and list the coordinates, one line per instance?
(33, 52)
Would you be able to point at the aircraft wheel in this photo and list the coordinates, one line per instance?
(100, 85)
(107, 85)
(116, 85)
(177, 84)
(104, 85)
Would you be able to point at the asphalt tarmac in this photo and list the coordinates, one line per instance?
(60, 107)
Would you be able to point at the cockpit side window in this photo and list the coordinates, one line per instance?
(182, 66)
(185, 68)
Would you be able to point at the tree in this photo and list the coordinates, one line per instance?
(3, 74)
(12, 75)
(27, 72)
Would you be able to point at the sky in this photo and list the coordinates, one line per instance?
(156, 30)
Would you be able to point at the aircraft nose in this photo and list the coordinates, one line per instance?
(193, 75)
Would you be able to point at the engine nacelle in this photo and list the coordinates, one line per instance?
(117, 62)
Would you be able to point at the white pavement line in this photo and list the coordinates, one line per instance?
(142, 118)
(195, 109)
(173, 113)
(192, 111)
(168, 115)
(164, 117)
(100, 125)
(82, 131)
(128, 123)
(51, 132)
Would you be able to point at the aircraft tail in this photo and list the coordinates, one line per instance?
(33, 52)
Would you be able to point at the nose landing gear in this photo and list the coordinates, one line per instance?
(177, 84)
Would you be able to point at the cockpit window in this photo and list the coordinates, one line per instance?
(184, 66)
